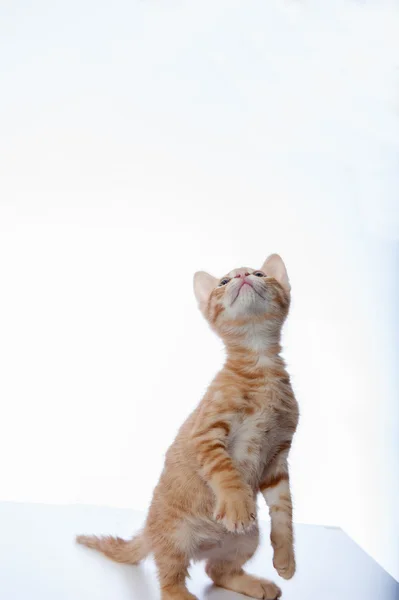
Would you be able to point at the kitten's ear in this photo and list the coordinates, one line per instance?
(204, 284)
(275, 267)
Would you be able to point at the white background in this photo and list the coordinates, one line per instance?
(141, 141)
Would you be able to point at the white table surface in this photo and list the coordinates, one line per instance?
(39, 560)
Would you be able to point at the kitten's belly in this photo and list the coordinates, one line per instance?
(223, 545)
(252, 467)
(252, 446)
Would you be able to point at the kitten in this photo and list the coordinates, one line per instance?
(232, 446)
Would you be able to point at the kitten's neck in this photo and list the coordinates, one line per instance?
(255, 353)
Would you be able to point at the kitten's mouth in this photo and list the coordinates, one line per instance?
(251, 286)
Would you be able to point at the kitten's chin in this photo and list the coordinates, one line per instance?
(247, 302)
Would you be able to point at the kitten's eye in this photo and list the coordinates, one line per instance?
(224, 281)
(258, 274)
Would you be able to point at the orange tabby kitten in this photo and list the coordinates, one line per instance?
(232, 446)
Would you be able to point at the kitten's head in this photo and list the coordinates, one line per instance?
(245, 298)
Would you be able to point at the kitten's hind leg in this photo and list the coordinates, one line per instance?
(226, 571)
(232, 577)
(172, 573)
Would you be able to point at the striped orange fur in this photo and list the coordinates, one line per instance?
(234, 445)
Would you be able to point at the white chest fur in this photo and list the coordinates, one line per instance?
(249, 444)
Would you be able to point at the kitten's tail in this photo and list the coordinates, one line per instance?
(122, 551)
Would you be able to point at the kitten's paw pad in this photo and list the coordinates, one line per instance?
(237, 512)
(262, 589)
(284, 561)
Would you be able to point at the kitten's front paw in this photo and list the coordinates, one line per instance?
(236, 510)
(284, 561)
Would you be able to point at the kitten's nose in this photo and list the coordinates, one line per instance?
(242, 275)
